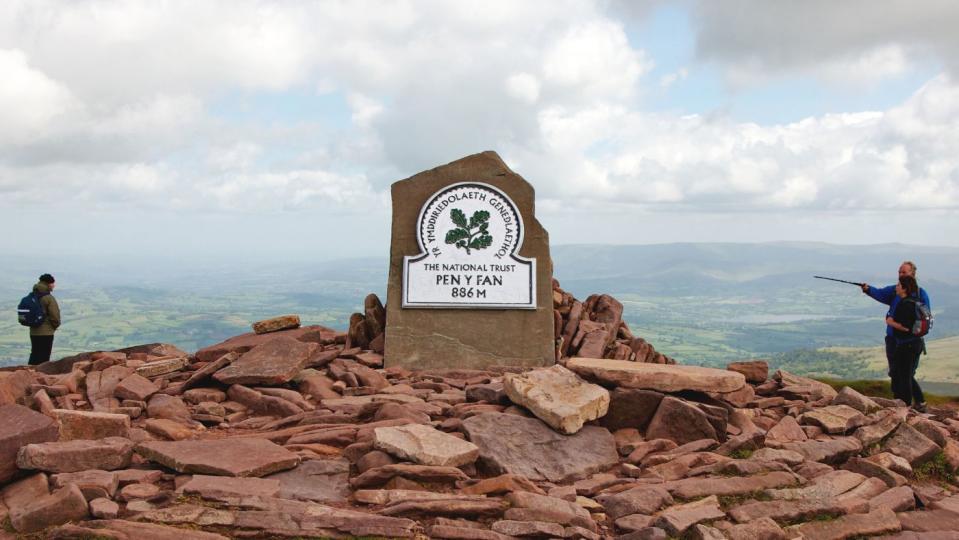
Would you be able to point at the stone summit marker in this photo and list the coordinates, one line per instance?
(470, 282)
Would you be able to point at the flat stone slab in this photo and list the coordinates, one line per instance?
(834, 419)
(832, 451)
(691, 488)
(150, 531)
(558, 397)
(854, 525)
(530, 505)
(245, 342)
(783, 510)
(908, 443)
(224, 488)
(93, 483)
(760, 529)
(425, 445)
(393, 496)
(536, 529)
(526, 446)
(815, 388)
(91, 425)
(873, 469)
(755, 371)
(316, 481)
(275, 362)
(20, 426)
(474, 507)
(284, 322)
(162, 367)
(72, 456)
(222, 457)
(659, 377)
(638, 500)
(676, 520)
(378, 476)
(135, 387)
(929, 520)
(848, 396)
(831, 484)
(875, 433)
(899, 499)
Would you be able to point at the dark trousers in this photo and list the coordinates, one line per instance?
(40, 349)
(903, 365)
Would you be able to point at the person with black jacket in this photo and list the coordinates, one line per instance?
(905, 358)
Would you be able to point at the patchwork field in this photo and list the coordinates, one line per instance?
(940, 364)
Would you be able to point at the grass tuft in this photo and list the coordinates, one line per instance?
(937, 468)
(728, 501)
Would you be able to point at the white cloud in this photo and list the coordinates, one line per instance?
(365, 109)
(670, 79)
(524, 87)
(870, 161)
(595, 58)
(857, 41)
(124, 104)
(29, 99)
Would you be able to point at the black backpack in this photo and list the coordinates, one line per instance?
(30, 312)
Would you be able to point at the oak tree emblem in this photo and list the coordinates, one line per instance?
(472, 234)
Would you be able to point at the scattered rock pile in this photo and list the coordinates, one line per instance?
(301, 433)
(596, 329)
(367, 330)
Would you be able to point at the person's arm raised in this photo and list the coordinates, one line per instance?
(884, 295)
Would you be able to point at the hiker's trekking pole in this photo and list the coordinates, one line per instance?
(839, 280)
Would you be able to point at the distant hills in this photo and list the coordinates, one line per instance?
(700, 303)
(692, 266)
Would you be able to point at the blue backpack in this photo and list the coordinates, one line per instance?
(30, 312)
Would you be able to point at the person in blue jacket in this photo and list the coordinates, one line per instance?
(887, 295)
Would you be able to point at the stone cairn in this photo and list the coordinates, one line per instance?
(593, 329)
(596, 329)
(298, 432)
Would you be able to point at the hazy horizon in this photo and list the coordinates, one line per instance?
(126, 269)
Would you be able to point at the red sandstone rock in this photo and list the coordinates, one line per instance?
(20, 426)
(223, 457)
(63, 505)
(14, 386)
(73, 456)
(276, 361)
(243, 343)
(275, 324)
(91, 425)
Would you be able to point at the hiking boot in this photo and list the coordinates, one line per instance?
(920, 407)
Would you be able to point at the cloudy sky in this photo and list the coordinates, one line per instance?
(252, 129)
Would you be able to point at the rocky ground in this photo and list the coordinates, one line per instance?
(299, 432)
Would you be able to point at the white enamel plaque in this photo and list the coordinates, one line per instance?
(469, 235)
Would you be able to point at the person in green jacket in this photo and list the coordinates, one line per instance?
(41, 337)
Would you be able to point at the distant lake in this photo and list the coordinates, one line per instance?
(763, 318)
